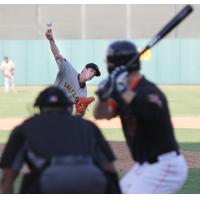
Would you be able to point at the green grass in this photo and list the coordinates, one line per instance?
(189, 139)
(183, 101)
(113, 134)
(4, 136)
(19, 103)
(192, 185)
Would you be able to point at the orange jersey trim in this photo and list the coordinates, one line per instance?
(134, 84)
(112, 106)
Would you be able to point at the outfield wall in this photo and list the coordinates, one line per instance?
(172, 61)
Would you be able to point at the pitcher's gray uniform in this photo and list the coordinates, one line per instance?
(67, 80)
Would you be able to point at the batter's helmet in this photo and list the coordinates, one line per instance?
(119, 53)
(52, 97)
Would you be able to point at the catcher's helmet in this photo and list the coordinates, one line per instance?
(52, 97)
(119, 53)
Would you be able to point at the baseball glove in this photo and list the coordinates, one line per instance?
(82, 104)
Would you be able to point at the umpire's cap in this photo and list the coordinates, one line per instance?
(52, 97)
(95, 67)
(119, 53)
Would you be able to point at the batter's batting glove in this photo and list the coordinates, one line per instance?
(120, 77)
(105, 89)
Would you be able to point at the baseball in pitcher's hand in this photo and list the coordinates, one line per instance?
(49, 34)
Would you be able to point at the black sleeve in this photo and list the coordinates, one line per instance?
(147, 105)
(12, 153)
(102, 147)
(104, 154)
(112, 183)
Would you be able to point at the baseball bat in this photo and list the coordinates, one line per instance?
(164, 31)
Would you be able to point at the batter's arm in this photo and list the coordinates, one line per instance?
(147, 107)
(102, 111)
(54, 47)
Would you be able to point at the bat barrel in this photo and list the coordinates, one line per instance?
(175, 21)
(164, 31)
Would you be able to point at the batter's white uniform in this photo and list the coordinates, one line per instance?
(163, 177)
(67, 80)
(8, 69)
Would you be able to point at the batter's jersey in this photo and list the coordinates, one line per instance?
(146, 122)
(55, 134)
(67, 80)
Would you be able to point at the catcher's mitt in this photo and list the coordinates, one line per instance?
(82, 104)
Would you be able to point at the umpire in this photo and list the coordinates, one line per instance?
(65, 154)
(160, 167)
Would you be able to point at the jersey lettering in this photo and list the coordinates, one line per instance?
(71, 91)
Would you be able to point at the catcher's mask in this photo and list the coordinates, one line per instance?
(53, 97)
(119, 53)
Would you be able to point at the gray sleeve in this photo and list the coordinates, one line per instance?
(65, 66)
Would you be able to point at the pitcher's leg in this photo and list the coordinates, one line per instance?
(6, 84)
(12, 82)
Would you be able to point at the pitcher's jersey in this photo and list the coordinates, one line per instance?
(67, 80)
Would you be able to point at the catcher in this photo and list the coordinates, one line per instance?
(62, 158)
(68, 79)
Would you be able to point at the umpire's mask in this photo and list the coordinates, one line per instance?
(53, 97)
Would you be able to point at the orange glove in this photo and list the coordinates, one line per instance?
(82, 104)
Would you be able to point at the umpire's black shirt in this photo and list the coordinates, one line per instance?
(146, 123)
(56, 134)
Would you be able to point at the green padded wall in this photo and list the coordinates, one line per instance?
(173, 61)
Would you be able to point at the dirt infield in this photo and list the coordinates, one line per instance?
(124, 161)
(178, 122)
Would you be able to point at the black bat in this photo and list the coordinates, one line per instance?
(164, 31)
